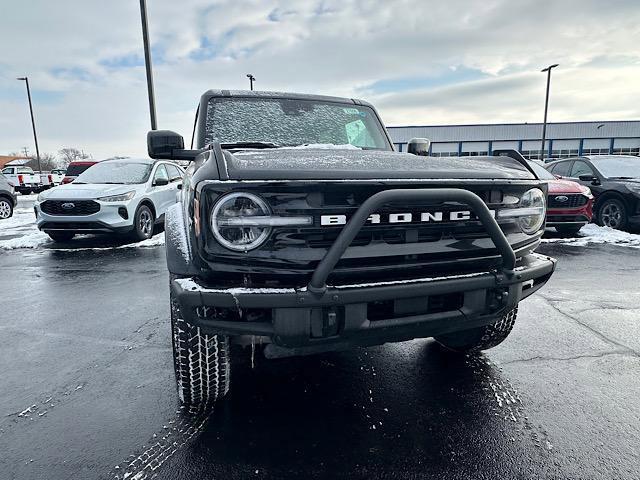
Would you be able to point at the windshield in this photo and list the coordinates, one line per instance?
(618, 166)
(289, 122)
(541, 172)
(116, 172)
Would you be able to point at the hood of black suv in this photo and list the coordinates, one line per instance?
(345, 164)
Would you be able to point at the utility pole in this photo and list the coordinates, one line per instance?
(251, 80)
(147, 63)
(546, 108)
(33, 122)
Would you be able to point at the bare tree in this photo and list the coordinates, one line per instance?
(48, 161)
(71, 154)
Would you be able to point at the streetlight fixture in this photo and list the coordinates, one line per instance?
(251, 80)
(546, 108)
(33, 122)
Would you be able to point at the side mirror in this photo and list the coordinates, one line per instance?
(179, 186)
(589, 178)
(419, 146)
(160, 182)
(162, 143)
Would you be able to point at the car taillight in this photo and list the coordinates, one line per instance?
(50, 179)
(20, 179)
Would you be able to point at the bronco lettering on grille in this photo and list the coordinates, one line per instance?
(423, 217)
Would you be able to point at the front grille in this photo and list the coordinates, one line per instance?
(70, 207)
(573, 201)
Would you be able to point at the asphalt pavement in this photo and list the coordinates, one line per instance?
(87, 388)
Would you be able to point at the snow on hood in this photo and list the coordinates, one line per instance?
(85, 191)
(340, 163)
(594, 234)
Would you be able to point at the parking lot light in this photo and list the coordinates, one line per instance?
(546, 108)
(33, 122)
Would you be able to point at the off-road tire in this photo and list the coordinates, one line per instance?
(481, 338)
(6, 208)
(61, 236)
(612, 213)
(202, 363)
(143, 223)
(568, 229)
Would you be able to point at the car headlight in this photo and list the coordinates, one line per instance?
(530, 213)
(123, 197)
(231, 221)
(40, 198)
(243, 221)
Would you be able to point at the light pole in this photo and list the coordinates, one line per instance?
(147, 63)
(251, 80)
(546, 108)
(33, 122)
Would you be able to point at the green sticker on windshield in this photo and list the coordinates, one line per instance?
(351, 111)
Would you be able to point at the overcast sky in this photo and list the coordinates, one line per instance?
(421, 62)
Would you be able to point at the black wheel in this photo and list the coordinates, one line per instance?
(481, 338)
(612, 213)
(143, 223)
(61, 236)
(202, 363)
(6, 208)
(568, 229)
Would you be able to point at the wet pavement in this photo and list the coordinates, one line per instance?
(88, 391)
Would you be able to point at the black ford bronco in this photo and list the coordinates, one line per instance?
(300, 230)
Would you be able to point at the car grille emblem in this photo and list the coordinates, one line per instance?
(68, 205)
(561, 198)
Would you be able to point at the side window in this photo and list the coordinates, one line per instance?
(580, 168)
(7, 171)
(174, 173)
(161, 173)
(561, 169)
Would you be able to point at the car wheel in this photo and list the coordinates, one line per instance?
(202, 363)
(6, 208)
(568, 229)
(61, 236)
(613, 213)
(143, 223)
(481, 338)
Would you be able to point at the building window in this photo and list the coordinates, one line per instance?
(474, 154)
(445, 154)
(627, 151)
(595, 151)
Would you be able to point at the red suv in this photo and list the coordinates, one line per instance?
(569, 204)
(76, 168)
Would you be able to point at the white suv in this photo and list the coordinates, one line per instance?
(114, 196)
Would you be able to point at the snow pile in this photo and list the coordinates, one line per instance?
(30, 240)
(594, 234)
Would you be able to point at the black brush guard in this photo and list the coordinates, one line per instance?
(297, 313)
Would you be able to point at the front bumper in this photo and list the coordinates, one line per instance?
(106, 220)
(302, 321)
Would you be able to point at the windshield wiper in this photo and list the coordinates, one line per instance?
(113, 183)
(250, 145)
(624, 178)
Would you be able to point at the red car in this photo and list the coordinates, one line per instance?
(569, 204)
(76, 168)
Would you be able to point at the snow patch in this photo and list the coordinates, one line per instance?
(189, 284)
(594, 234)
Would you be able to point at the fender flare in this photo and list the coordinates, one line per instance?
(177, 243)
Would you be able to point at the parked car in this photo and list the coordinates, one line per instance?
(8, 198)
(569, 204)
(614, 181)
(24, 179)
(114, 196)
(52, 179)
(305, 232)
(76, 168)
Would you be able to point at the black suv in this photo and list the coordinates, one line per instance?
(614, 181)
(302, 231)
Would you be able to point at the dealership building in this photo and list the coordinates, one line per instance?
(563, 139)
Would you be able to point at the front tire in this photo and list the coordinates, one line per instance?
(61, 236)
(6, 209)
(612, 213)
(481, 338)
(202, 363)
(143, 223)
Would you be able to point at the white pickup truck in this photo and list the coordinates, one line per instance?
(23, 179)
(52, 178)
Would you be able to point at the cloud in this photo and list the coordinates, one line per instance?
(423, 62)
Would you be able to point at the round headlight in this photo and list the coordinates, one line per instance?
(534, 200)
(231, 221)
